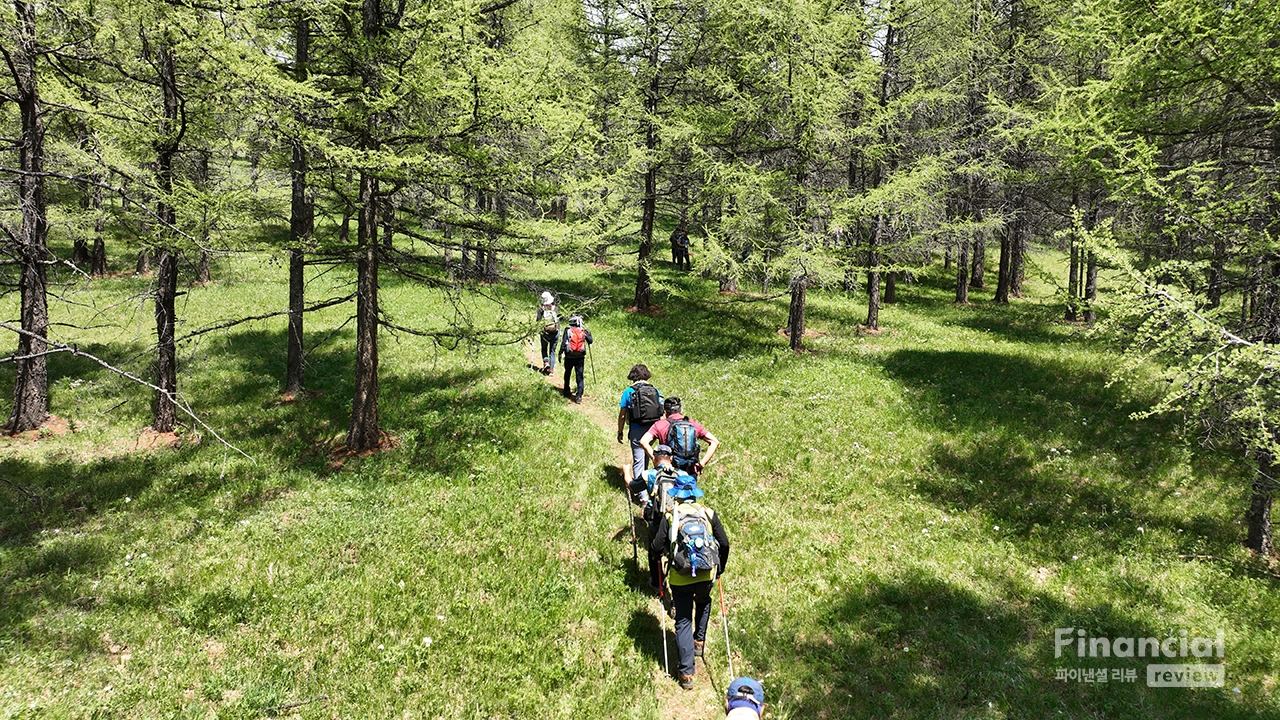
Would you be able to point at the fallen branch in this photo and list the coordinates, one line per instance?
(176, 398)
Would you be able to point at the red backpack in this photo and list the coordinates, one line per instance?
(577, 340)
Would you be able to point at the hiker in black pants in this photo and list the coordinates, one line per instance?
(649, 491)
(680, 250)
(550, 319)
(691, 572)
(573, 350)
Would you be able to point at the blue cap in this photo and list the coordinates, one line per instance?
(663, 450)
(745, 687)
(685, 487)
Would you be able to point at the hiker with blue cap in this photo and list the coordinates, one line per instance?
(649, 490)
(697, 551)
(745, 700)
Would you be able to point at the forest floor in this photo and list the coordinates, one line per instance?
(913, 514)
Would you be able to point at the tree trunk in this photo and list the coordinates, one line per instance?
(1002, 275)
(946, 258)
(978, 271)
(301, 221)
(962, 271)
(644, 286)
(795, 314)
(1072, 279)
(1217, 271)
(164, 411)
(1017, 254)
(1091, 289)
(31, 378)
(1259, 514)
(890, 288)
(164, 408)
(873, 274)
(364, 432)
(143, 266)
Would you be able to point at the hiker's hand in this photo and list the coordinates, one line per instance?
(619, 436)
(697, 467)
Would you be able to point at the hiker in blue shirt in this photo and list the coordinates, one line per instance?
(639, 409)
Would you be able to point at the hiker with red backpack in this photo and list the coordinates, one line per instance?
(573, 350)
(639, 409)
(697, 551)
(682, 435)
(550, 335)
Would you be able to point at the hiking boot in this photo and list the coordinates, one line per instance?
(686, 682)
(697, 648)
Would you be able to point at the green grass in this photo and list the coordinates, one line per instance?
(912, 515)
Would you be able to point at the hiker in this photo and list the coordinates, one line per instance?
(744, 700)
(697, 551)
(639, 409)
(573, 350)
(649, 490)
(680, 250)
(550, 319)
(682, 434)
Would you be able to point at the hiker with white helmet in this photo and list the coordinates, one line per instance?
(573, 350)
(745, 700)
(697, 552)
(550, 319)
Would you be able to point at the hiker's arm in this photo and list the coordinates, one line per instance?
(717, 530)
(645, 442)
(622, 422)
(659, 542)
(712, 443)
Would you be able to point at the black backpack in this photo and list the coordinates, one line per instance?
(694, 550)
(683, 439)
(645, 406)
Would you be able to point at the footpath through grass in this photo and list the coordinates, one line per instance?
(912, 515)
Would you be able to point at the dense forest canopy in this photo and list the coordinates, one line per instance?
(808, 144)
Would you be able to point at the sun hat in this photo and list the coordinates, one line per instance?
(548, 298)
(663, 450)
(685, 487)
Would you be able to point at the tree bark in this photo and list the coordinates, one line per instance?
(1072, 279)
(364, 432)
(1259, 514)
(143, 266)
(301, 222)
(890, 287)
(978, 271)
(649, 208)
(31, 379)
(1002, 275)
(962, 271)
(873, 274)
(795, 314)
(98, 256)
(172, 129)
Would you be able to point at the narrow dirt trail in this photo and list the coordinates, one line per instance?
(705, 700)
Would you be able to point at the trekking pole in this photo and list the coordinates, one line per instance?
(631, 519)
(592, 359)
(662, 583)
(724, 618)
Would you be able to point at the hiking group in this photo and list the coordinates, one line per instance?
(687, 548)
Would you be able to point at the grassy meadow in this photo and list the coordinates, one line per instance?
(912, 515)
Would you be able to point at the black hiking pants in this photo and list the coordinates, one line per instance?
(693, 611)
(572, 366)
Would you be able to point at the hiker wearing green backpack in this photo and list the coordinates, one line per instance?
(697, 551)
(682, 435)
(650, 489)
(573, 350)
(639, 409)
(550, 335)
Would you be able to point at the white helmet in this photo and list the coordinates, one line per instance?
(547, 298)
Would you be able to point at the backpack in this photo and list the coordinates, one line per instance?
(683, 439)
(577, 340)
(645, 405)
(551, 319)
(660, 501)
(693, 545)
(682, 240)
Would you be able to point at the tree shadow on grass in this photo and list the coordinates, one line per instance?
(1010, 424)
(917, 646)
(646, 634)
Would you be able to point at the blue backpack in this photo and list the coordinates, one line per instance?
(683, 439)
(694, 549)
